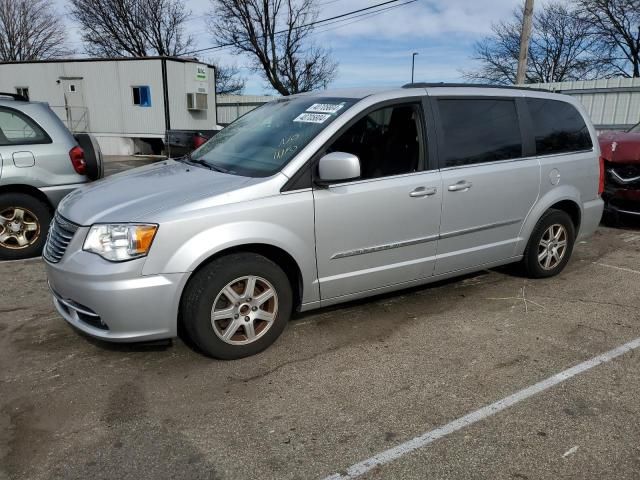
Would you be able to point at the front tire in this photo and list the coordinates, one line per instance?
(24, 223)
(236, 306)
(550, 245)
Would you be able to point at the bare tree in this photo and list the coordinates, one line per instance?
(617, 23)
(137, 28)
(30, 30)
(228, 79)
(275, 33)
(562, 48)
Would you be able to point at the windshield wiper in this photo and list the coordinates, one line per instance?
(198, 161)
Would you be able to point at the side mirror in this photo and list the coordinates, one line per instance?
(338, 167)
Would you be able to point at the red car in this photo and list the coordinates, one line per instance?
(621, 156)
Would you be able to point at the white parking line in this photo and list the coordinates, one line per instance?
(425, 439)
(622, 269)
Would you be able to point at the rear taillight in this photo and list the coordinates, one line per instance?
(76, 154)
(601, 182)
(199, 140)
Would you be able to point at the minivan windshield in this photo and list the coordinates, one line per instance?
(264, 140)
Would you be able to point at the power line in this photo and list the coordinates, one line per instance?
(343, 21)
(324, 20)
(346, 21)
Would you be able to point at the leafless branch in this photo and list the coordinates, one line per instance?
(617, 24)
(563, 47)
(30, 30)
(288, 61)
(137, 28)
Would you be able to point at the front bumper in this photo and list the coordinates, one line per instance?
(114, 301)
(622, 190)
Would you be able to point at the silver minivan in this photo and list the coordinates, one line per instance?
(321, 198)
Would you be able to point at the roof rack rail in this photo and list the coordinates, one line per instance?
(15, 96)
(470, 85)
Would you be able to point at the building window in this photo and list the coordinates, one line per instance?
(141, 96)
(72, 88)
(24, 91)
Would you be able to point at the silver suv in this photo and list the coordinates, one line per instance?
(40, 162)
(321, 198)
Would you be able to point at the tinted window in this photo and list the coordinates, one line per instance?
(387, 141)
(479, 130)
(558, 127)
(16, 129)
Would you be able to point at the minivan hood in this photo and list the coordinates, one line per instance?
(139, 193)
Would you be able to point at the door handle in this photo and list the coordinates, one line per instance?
(461, 186)
(423, 192)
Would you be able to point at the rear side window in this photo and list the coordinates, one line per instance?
(479, 131)
(18, 129)
(558, 127)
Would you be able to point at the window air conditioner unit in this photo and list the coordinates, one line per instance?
(197, 101)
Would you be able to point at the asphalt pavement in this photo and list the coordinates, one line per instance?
(342, 385)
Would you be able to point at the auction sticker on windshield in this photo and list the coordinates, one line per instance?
(312, 118)
(325, 107)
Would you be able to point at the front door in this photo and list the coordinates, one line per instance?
(489, 186)
(75, 107)
(381, 229)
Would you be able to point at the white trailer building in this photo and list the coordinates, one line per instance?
(127, 103)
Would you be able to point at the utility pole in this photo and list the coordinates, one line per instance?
(525, 35)
(413, 64)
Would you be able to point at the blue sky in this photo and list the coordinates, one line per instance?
(376, 49)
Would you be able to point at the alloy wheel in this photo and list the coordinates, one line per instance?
(19, 228)
(552, 246)
(244, 310)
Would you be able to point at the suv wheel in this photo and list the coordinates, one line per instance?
(24, 223)
(550, 245)
(236, 306)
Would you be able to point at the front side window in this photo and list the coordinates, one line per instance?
(387, 141)
(18, 129)
(264, 140)
(558, 127)
(479, 131)
(635, 129)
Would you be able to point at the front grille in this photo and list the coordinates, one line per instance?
(60, 234)
(625, 174)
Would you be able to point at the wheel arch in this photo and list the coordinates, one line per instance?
(28, 190)
(566, 198)
(572, 209)
(279, 256)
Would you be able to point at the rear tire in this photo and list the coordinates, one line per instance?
(550, 245)
(24, 224)
(236, 306)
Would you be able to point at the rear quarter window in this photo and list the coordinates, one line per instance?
(558, 127)
(479, 130)
(17, 128)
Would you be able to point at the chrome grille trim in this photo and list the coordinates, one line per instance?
(60, 234)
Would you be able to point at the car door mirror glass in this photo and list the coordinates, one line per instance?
(338, 166)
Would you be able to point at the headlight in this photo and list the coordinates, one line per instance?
(120, 242)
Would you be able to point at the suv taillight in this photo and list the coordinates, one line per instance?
(76, 154)
(602, 174)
